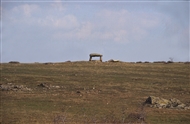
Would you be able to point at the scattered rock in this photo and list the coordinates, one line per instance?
(42, 85)
(11, 87)
(112, 60)
(157, 102)
(55, 87)
(45, 86)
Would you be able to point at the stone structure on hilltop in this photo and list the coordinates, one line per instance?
(95, 55)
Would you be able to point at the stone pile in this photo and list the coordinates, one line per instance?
(12, 87)
(157, 102)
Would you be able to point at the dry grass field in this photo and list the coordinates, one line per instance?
(93, 92)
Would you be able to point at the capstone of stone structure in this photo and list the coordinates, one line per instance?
(95, 55)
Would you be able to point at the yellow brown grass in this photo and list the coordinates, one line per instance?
(108, 92)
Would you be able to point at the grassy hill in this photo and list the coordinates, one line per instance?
(92, 92)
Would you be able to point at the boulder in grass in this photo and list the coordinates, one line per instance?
(175, 102)
(157, 102)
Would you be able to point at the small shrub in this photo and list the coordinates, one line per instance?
(146, 62)
(186, 62)
(169, 61)
(14, 62)
(159, 62)
(139, 62)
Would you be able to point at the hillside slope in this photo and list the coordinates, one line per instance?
(92, 92)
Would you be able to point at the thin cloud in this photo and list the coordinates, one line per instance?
(26, 9)
(107, 25)
(58, 5)
(126, 26)
(65, 22)
(84, 31)
(118, 26)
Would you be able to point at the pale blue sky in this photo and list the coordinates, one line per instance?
(58, 30)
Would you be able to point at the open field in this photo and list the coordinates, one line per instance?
(93, 92)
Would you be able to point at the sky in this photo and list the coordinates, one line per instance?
(62, 30)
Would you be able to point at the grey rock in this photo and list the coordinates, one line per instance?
(157, 102)
(95, 55)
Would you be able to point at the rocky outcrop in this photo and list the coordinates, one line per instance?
(157, 102)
